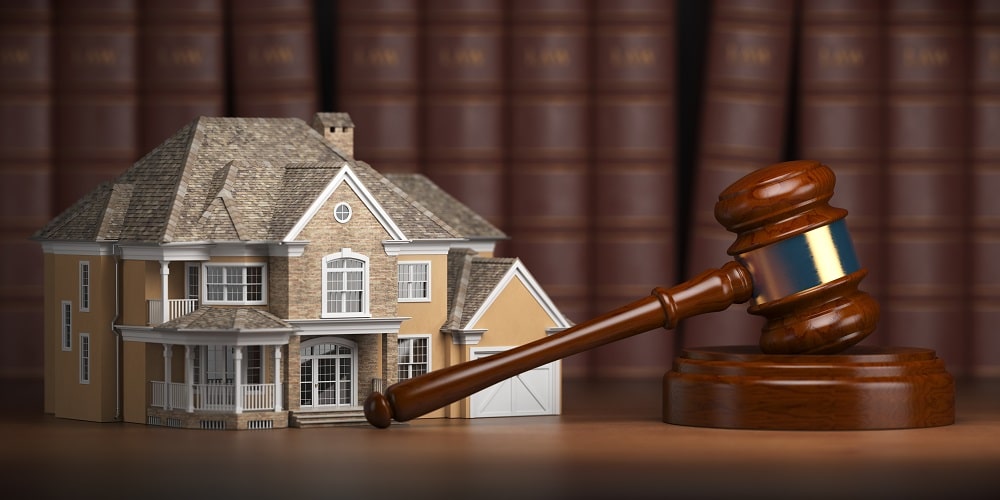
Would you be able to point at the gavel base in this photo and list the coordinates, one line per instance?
(865, 387)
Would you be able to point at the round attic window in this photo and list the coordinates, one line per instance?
(342, 212)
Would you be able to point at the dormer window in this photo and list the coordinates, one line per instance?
(345, 284)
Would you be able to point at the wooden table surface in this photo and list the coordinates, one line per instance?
(609, 443)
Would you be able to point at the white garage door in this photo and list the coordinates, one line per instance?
(535, 392)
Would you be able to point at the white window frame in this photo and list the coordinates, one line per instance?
(66, 325)
(403, 285)
(225, 266)
(84, 276)
(410, 339)
(346, 253)
(85, 358)
(188, 267)
(345, 219)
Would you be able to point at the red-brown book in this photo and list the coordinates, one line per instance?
(378, 80)
(985, 171)
(926, 180)
(743, 128)
(96, 132)
(549, 148)
(183, 74)
(463, 102)
(25, 178)
(840, 95)
(272, 51)
(634, 174)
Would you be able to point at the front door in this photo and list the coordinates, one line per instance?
(327, 371)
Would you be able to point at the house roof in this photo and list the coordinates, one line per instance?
(230, 319)
(247, 179)
(471, 280)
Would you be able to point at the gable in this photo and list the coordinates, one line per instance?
(518, 304)
(346, 177)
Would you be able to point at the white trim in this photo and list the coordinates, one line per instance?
(66, 323)
(347, 253)
(517, 270)
(346, 175)
(350, 212)
(204, 283)
(287, 248)
(466, 337)
(147, 334)
(88, 248)
(430, 349)
(421, 247)
(186, 251)
(86, 354)
(188, 266)
(429, 280)
(346, 326)
(85, 288)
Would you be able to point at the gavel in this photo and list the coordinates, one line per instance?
(793, 261)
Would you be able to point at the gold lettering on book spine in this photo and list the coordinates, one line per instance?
(547, 57)
(840, 57)
(379, 56)
(632, 56)
(15, 56)
(748, 54)
(180, 56)
(924, 57)
(465, 57)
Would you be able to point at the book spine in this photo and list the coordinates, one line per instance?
(378, 80)
(182, 64)
(743, 128)
(548, 148)
(95, 95)
(25, 179)
(463, 102)
(985, 172)
(927, 172)
(840, 91)
(634, 175)
(273, 56)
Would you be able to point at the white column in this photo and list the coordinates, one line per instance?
(238, 378)
(168, 355)
(277, 378)
(164, 275)
(189, 376)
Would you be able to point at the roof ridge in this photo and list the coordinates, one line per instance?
(454, 321)
(180, 189)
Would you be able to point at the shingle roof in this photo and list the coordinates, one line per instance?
(247, 179)
(228, 319)
(471, 279)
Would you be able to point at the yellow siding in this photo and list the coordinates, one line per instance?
(515, 318)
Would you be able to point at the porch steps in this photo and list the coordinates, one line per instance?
(306, 419)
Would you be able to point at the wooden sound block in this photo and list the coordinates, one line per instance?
(864, 387)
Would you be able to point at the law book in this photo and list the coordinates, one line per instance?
(549, 148)
(743, 128)
(96, 115)
(634, 176)
(840, 92)
(25, 179)
(182, 65)
(462, 119)
(926, 144)
(985, 182)
(273, 55)
(378, 80)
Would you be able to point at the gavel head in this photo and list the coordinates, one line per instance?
(800, 256)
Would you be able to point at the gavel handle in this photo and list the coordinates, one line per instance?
(710, 291)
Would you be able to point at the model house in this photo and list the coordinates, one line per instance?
(250, 273)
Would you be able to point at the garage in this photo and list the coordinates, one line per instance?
(535, 392)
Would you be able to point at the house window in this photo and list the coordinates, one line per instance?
(216, 364)
(342, 212)
(219, 365)
(67, 325)
(235, 284)
(345, 284)
(84, 286)
(414, 356)
(192, 285)
(254, 366)
(84, 358)
(414, 281)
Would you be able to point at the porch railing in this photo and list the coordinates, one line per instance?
(175, 309)
(212, 397)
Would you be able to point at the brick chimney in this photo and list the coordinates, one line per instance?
(338, 129)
